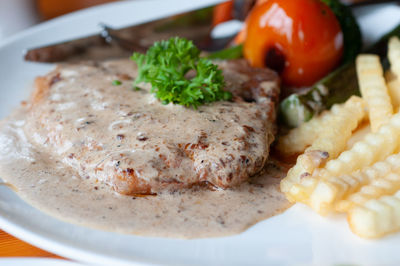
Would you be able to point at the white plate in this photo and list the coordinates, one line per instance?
(297, 237)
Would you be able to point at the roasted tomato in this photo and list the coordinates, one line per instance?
(300, 39)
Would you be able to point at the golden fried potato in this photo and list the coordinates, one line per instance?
(298, 139)
(377, 217)
(305, 166)
(394, 55)
(347, 172)
(373, 148)
(373, 89)
(386, 185)
(332, 139)
(362, 130)
(393, 84)
(328, 192)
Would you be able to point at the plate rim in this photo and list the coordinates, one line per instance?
(36, 238)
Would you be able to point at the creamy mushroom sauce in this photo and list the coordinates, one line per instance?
(42, 179)
(47, 184)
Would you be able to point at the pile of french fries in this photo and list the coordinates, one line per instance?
(350, 155)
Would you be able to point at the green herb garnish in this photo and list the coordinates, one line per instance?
(116, 82)
(179, 75)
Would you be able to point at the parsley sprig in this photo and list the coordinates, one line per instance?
(179, 75)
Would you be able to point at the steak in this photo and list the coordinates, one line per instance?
(127, 139)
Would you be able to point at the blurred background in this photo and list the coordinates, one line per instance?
(16, 15)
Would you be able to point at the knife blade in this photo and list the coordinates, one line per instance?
(194, 25)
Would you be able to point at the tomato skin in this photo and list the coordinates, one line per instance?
(304, 34)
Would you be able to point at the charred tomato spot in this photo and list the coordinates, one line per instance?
(275, 59)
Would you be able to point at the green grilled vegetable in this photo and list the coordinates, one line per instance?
(234, 52)
(337, 87)
(350, 29)
(166, 67)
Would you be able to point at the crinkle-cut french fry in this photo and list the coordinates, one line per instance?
(377, 217)
(374, 90)
(360, 133)
(305, 166)
(332, 139)
(386, 185)
(298, 139)
(393, 84)
(373, 148)
(328, 192)
(394, 55)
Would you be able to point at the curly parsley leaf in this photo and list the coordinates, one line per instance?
(179, 75)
